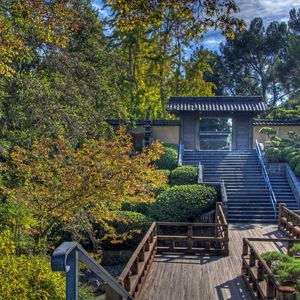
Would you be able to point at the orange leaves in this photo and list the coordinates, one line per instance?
(58, 181)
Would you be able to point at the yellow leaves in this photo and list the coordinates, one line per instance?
(25, 26)
(58, 181)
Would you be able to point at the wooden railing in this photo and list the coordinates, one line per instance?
(289, 221)
(164, 237)
(262, 283)
(133, 275)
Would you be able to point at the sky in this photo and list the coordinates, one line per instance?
(269, 10)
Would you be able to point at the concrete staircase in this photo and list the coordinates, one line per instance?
(248, 196)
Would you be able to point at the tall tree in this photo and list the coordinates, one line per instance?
(251, 60)
(172, 27)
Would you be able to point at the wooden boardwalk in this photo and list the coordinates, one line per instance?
(203, 277)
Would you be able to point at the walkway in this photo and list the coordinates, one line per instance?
(203, 277)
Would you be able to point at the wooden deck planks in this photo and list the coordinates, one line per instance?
(203, 277)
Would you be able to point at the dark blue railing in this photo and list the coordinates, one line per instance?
(266, 178)
(65, 259)
(180, 154)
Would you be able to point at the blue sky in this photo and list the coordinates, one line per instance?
(269, 10)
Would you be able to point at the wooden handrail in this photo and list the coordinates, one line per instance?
(142, 258)
(137, 268)
(261, 281)
(289, 222)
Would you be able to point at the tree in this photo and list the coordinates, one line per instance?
(171, 27)
(69, 91)
(58, 183)
(251, 60)
(30, 28)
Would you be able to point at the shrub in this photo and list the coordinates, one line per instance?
(294, 161)
(168, 160)
(173, 146)
(164, 172)
(289, 156)
(161, 189)
(27, 277)
(285, 152)
(183, 203)
(273, 155)
(297, 170)
(129, 228)
(184, 175)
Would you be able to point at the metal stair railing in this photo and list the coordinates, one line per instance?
(65, 259)
(180, 154)
(266, 178)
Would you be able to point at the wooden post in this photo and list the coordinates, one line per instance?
(280, 215)
(245, 248)
(260, 272)
(226, 240)
(111, 294)
(286, 293)
(190, 235)
(270, 292)
(252, 258)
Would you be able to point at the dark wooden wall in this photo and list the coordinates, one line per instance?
(241, 129)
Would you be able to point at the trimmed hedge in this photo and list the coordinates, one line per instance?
(273, 155)
(168, 160)
(132, 225)
(184, 175)
(289, 156)
(297, 170)
(294, 161)
(183, 203)
(164, 172)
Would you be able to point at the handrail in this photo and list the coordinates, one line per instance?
(288, 221)
(137, 268)
(148, 244)
(180, 154)
(65, 259)
(256, 271)
(293, 182)
(266, 178)
(224, 193)
(200, 173)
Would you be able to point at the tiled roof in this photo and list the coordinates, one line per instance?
(143, 122)
(276, 122)
(217, 103)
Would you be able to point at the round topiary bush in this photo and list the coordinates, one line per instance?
(184, 175)
(294, 161)
(289, 156)
(273, 155)
(297, 170)
(129, 228)
(163, 172)
(168, 160)
(183, 203)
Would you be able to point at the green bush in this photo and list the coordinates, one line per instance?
(168, 160)
(183, 203)
(161, 189)
(297, 170)
(294, 161)
(289, 156)
(273, 155)
(129, 228)
(285, 152)
(164, 172)
(184, 175)
(27, 276)
(172, 146)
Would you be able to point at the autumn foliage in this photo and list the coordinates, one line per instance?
(58, 183)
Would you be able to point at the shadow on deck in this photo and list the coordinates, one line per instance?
(196, 277)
